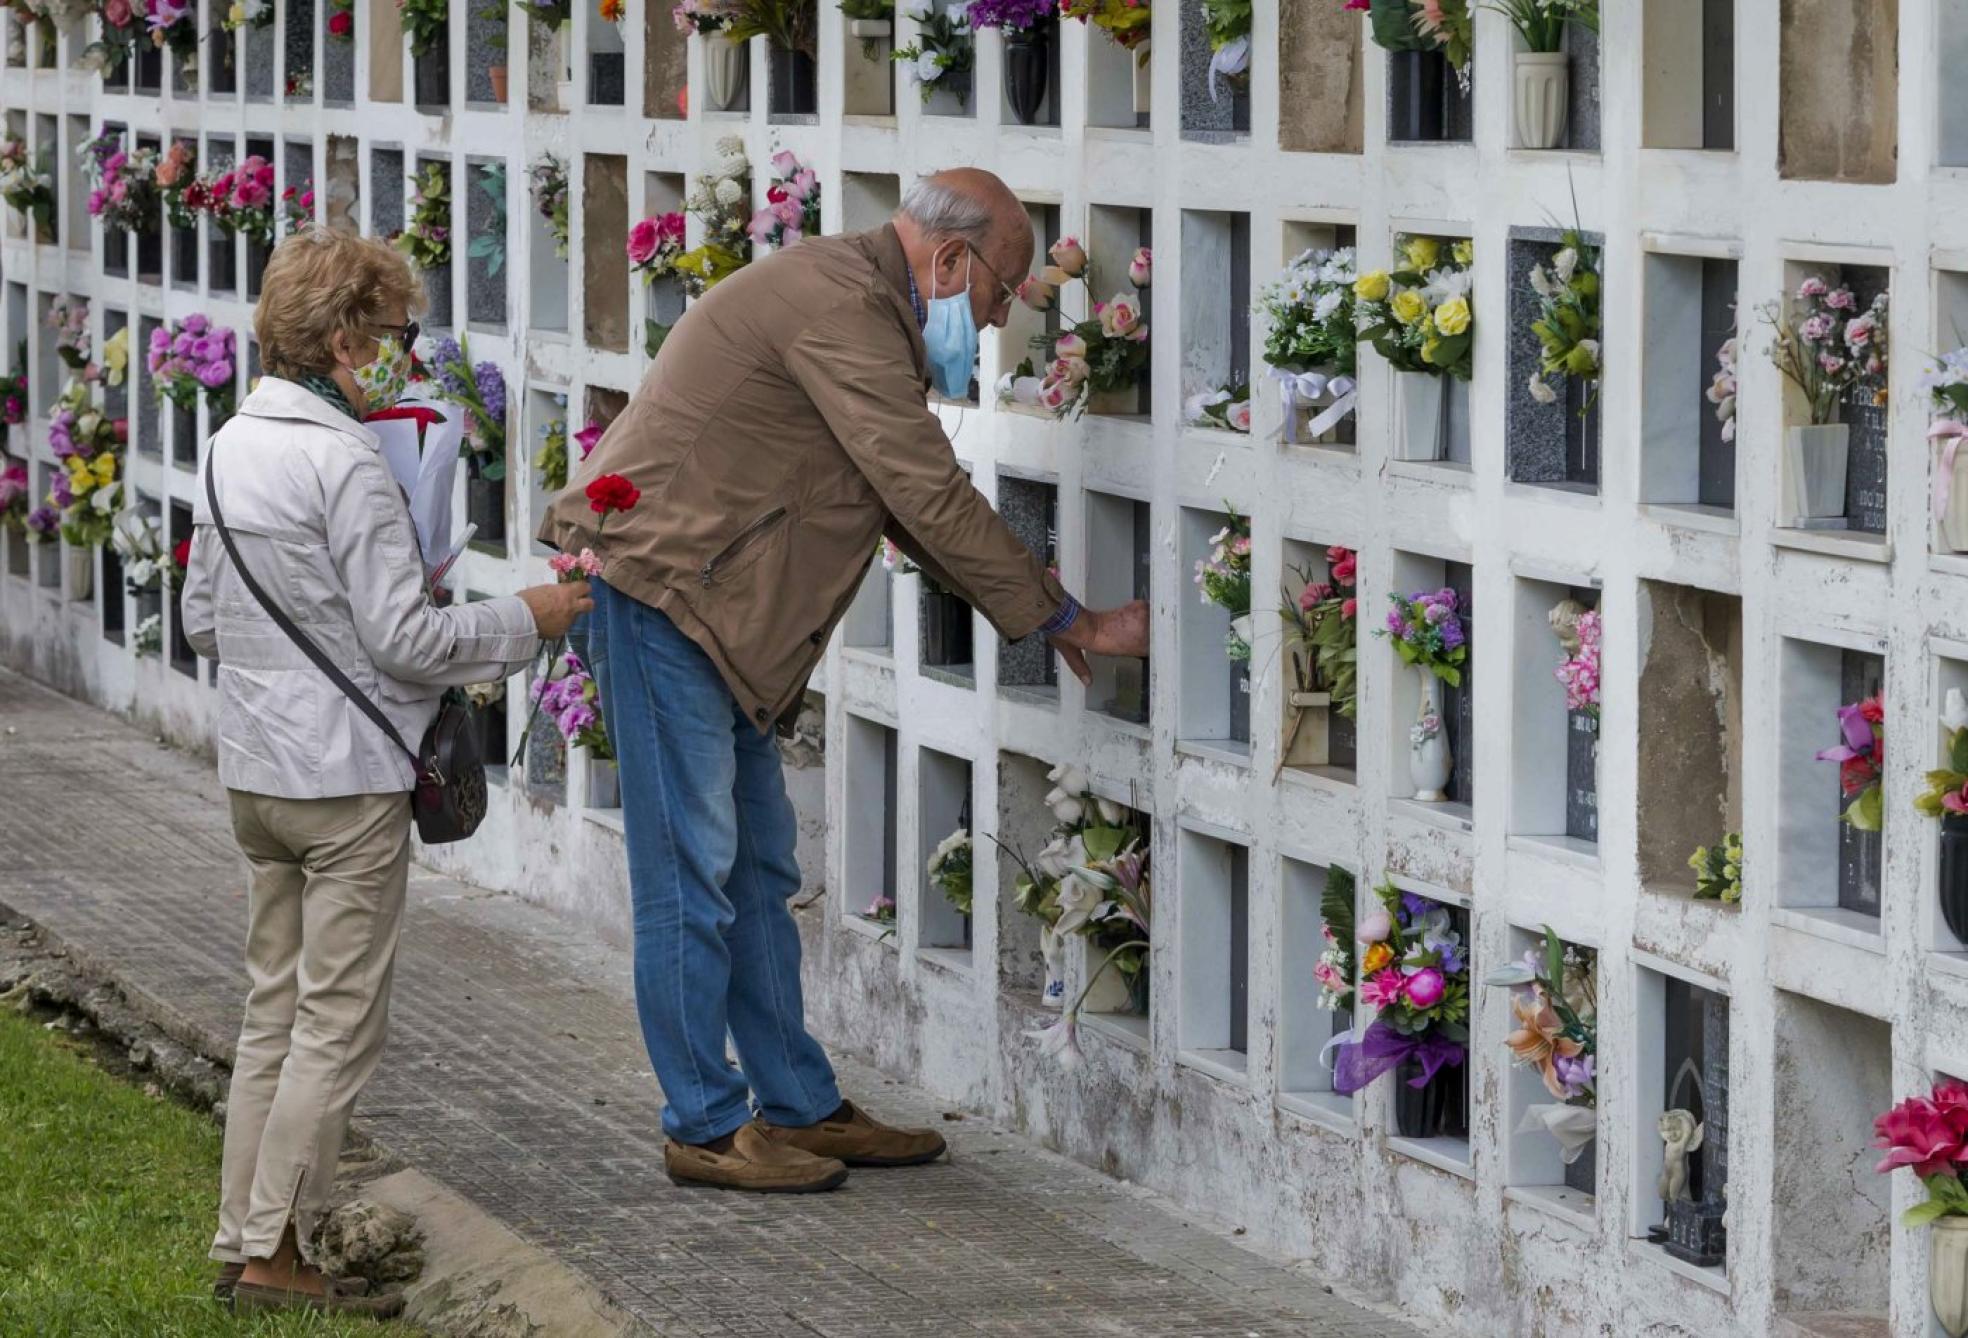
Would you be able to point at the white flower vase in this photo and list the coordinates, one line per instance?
(1814, 471)
(1240, 627)
(1144, 69)
(1053, 949)
(725, 63)
(1541, 85)
(1947, 1273)
(81, 573)
(564, 79)
(604, 784)
(1954, 515)
(1423, 398)
(1109, 993)
(1428, 742)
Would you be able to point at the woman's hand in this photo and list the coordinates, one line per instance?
(555, 607)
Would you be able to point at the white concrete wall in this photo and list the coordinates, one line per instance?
(1455, 1234)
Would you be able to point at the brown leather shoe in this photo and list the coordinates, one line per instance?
(861, 1140)
(756, 1162)
(344, 1296)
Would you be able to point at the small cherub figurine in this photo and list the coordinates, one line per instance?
(1564, 619)
(1682, 1133)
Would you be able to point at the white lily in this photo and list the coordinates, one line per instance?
(1068, 808)
(1060, 1041)
(1111, 813)
(1079, 897)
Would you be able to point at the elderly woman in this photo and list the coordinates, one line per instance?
(318, 791)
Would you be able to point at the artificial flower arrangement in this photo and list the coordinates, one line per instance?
(14, 490)
(240, 199)
(882, 911)
(13, 390)
(423, 23)
(26, 188)
(122, 185)
(1106, 352)
(76, 427)
(1224, 579)
(1567, 322)
(607, 495)
(121, 24)
(949, 869)
(1829, 349)
(174, 24)
(705, 17)
(190, 356)
(1947, 787)
(1312, 336)
(1227, 24)
(1929, 1135)
(550, 461)
(139, 541)
(480, 390)
(1226, 408)
(1011, 16)
(548, 178)
(1721, 390)
(1579, 632)
(720, 201)
(1128, 22)
(1414, 971)
(943, 53)
(792, 203)
(1861, 759)
(1335, 968)
(611, 11)
(1321, 635)
(489, 246)
(297, 207)
(1091, 881)
(177, 178)
(1542, 23)
(790, 25)
(656, 244)
(43, 522)
(87, 496)
(1718, 870)
(341, 20)
(147, 640)
(68, 317)
(1945, 382)
(1557, 1033)
(426, 238)
(1426, 629)
(1418, 316)
(1447, 26)
(569, 695)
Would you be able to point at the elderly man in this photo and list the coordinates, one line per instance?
(780, 434)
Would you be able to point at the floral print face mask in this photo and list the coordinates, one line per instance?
(383, 381)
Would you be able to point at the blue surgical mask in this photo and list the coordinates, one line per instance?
(950, 337)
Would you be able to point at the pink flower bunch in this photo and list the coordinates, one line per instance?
(574, 702)
(588, 436)
(122, 183)
(1580, 673)
(240, 199)
(655, 243)
(1928, 1133)
(13, 486)
(792, 203)
(567, 565)
(190, 356)
(69, 319)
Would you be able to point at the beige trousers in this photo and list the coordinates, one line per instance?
(328, 879)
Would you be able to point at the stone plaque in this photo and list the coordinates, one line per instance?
(1865, 466)
(299, 65)
(337, 65)
(1582, 776)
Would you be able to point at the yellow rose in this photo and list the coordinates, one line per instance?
(237, 14)
(1428, 349)
(1422, 253)
(1452, 317)
(1372, 286)
(1409, 306)
(1378, 956)
(1464, 252)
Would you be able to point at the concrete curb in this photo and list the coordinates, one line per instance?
(480, 1279)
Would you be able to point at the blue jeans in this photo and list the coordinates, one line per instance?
(711, 839)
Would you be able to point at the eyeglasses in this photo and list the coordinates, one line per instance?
(1007, 293)
(406, 336)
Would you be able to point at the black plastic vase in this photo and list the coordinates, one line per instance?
(795, 91)
(1433, 1110)
(1027, 62)
(1418, 79)
(1954, 873)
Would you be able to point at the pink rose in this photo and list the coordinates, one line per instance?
(116, 13)
(1035, 293)
(1072, 371)
(1057, 395)
(669, 229)
(1070, 346)
(644, 238)
(1119, 317)
(1141, 269)
(1374, 927)
(1239, 415)
(1069, 255)
(785, 163)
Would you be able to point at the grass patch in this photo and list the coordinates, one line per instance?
(108, 1200)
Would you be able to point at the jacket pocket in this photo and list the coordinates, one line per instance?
(742, 551)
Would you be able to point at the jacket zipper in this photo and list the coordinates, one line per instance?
(744, 540)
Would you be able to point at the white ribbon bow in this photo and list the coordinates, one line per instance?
(1572, 1126)
(1309, 388)
(1949, 432)
(1232, 59)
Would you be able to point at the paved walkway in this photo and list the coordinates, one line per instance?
(515, 1076)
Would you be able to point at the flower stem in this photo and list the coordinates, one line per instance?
(1100, 971)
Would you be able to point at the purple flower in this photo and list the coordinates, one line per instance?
(1413, 907)
(1433, 612)
(43, 520)
(60, 441)
(492, 389)
(1452, 637)
(1576, 1074)
(1397, 622)
(1446, 597)
(58, 490)
(195, 324)
(215, 374)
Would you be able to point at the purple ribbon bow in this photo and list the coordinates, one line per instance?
(1858, 736)
(1382, 1048)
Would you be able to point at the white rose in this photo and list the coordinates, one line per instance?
(1067, 808)
(929, 67)
(1072, 779)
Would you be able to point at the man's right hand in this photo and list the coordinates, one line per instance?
(555, 607)
(1119, 631)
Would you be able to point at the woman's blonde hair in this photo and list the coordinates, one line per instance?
(320, 282)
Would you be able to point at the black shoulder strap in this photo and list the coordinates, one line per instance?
(286, 624)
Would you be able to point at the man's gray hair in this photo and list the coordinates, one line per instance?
(943, 211)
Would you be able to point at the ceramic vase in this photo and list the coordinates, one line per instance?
(1954, 516)
(1540, 86)
(1428, 742)
(1053, 949)
(81, 572)
(1947, 1273)
(1814, 471)
(1144, 70)
(1027, 63)
(604, 784)
(725, 63)
(1423, 399)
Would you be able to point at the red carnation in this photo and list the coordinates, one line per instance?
(182, 554)
(612, 492)
(340, 23)
(1873, 709)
